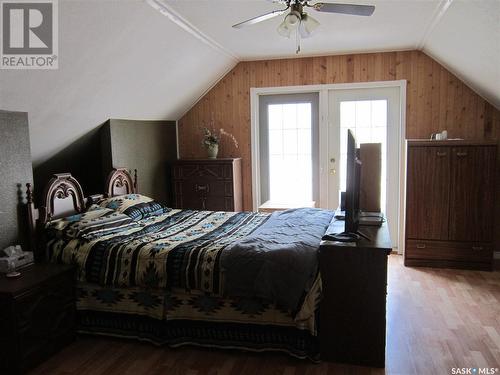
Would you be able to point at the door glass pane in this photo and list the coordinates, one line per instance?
(367, 120)
(290, 158)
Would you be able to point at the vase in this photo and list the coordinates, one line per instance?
(212, 151)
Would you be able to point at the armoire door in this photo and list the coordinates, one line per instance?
(427, 193)
(472, 193)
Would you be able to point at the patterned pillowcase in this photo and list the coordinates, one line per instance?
(96, 221)
(136, 206)
(144, 210)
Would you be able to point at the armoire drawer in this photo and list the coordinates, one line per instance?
(449, 250)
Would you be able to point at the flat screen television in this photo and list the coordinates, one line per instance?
(353, 176)
(351, 197)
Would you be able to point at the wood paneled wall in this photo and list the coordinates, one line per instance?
(436, 99)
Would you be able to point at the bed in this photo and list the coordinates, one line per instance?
(182, 277)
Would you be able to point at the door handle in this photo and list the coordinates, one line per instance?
(461, 154)
(477, 248)
(441, 154)
(332, 170)
(420, 246)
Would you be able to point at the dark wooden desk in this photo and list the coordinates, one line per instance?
(352, 311)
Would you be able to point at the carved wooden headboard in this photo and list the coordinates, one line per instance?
(63, 196)
(120, 182)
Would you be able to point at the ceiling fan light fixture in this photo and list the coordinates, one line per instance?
(307, 25)
(293, 18)
(284, 30)
(289, 24)
(299, 22)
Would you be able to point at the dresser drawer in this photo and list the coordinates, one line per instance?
(203, 203)
(203, 187)
(50, 328)
(204, 171)
(42, 305)
(452, 251)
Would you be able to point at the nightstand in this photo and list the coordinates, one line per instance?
(37, 315)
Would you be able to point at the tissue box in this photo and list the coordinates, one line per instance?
(20, 260)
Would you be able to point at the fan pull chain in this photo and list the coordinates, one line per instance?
(297, 40)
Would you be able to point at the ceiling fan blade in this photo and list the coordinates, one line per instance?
(354, 9)
(258, 19)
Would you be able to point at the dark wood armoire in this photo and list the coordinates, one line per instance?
(450, 191)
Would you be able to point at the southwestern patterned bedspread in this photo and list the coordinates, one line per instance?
(168, 248)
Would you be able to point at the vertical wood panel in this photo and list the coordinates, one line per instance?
(471, 216)
(436, 99)
(428, 193)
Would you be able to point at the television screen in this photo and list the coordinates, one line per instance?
(353, 175)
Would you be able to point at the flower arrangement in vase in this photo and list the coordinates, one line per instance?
(211, 140)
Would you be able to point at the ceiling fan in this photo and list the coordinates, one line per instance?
(298, 21)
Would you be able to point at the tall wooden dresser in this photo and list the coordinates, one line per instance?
(450, 191)
(208, 184)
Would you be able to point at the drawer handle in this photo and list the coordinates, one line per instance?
(461, 154)
(205, 188)
(477, 248)
(420, 246)
(441, 154)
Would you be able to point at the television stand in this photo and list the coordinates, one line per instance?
(352, 310)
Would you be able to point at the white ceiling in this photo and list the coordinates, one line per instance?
(464, 35)
(394, 25)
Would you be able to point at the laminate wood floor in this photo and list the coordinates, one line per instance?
(437, 320)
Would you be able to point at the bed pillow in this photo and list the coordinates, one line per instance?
(136, 206)
(96, 221)
(145, 210)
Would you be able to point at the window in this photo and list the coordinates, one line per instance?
(288, 149)
(290, 166)
(367, 119)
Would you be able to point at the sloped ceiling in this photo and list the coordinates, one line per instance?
(117, 59)
(467, 41)
(463, 35)
(125, 59)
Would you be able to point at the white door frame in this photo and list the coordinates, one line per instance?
(323, 90)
